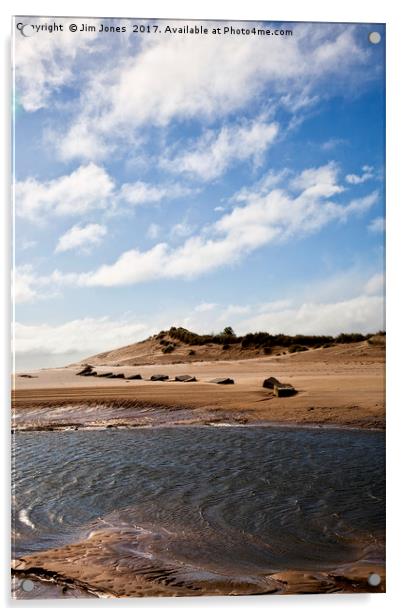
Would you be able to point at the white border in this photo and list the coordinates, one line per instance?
(285, 10)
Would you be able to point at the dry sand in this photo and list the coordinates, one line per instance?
(341, 385)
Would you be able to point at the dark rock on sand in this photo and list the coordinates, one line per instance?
(185, 378)
(159, 377)
(270, 382)
(134, 377)
(105, 374)
(284, 390)
(28, 376)
(223, 381)
(85, 371)
(120, 375)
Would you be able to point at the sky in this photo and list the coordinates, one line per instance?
(195, 180)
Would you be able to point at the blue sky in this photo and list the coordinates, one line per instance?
(196, 181)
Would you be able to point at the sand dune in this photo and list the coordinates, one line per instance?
(341, 385)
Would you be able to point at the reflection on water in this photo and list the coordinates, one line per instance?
(240, 500)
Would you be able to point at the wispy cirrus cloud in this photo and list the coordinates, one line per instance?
(138, 193)
(213, 153)
(377, 225)
(367, 174)
(333, 143)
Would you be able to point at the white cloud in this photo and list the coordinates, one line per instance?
(27, 286)
(181, 229)
(234, 310)
(45, 62)
(265, 217)
(216, 151)
(375, 285)
(359, 314)
(207, 77)
(333, 143)
(318, 181)
(27, 244)
(23, 286)
(349, 301)
(360, 179)
(79, 142)
(377, 225)
(82, 336)
(139, 192)
(82, 237)
(87, 188)
(268, 181)
(357, 306)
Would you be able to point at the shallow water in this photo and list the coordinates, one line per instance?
(241, 500)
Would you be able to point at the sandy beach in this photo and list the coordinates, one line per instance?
(337, 387)
(341, 385)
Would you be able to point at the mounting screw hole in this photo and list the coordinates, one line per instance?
(374, 38)
(374, 579)
(27, 585)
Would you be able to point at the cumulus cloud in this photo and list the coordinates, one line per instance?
(367, 174)
(23, 288)
(206, 77)
(81, 237)
(27, 286)
(87, 188)
(45, 62)
(275, 216)
(80, 142)
(263, 216)
(216, 151)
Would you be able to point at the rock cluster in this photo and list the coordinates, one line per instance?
(281, 390)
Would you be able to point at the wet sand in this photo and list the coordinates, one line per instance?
(342, 385)
(96, 566)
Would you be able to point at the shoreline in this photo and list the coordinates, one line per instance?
(104, 408)
(212, 424)
(341, 386)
